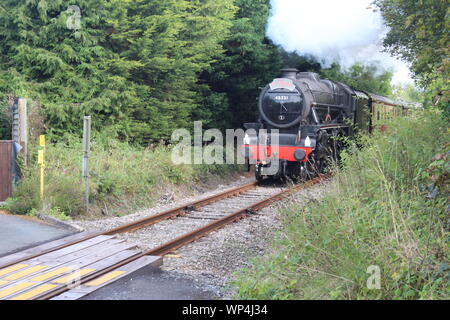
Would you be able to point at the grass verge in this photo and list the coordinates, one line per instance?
(124, 178)
(386, 214)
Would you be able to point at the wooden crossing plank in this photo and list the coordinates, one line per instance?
(103, 263)
(27, 272)
(112, 260)
(14, 289)
(42, 247)
(77, 261)
(106, 278)
(65, 261)
(73, 248)
(73, 254)
(13, 268)
(74, 276)
(116, 258)
(101, 255)
(69, 251)
(18, 288)
(51, 274)
(35, 292)
(83, 290)
(26, 254)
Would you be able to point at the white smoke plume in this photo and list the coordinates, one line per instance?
(347, 31)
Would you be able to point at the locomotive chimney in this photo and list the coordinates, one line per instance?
(289, 73)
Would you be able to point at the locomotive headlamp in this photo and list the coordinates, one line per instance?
(299, 154)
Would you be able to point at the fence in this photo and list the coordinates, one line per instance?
(6, 169)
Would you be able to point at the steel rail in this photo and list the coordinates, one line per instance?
(181, 210)
(252, 209)
(145, 222)
(192, 236)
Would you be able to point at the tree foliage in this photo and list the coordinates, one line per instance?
(132, 64)
(367, 77)
(419, 33)
(408, 92)
(249, 62)
(143, 68)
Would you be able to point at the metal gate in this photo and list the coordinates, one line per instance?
(6, 157)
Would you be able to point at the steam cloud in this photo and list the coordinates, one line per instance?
(347, 31)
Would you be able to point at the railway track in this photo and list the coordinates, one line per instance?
(221, 220)
(133, 226)
(204, 216)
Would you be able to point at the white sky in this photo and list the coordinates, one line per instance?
(346, 30)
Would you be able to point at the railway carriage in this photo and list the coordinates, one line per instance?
(302, 119)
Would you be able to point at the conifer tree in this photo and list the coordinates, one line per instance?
(249, 62)
(132, 65)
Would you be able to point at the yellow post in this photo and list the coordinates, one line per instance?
(41, 162)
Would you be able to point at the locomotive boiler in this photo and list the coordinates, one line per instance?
(303, 120)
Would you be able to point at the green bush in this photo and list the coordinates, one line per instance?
(26, 197)
(124, 178)
(383, 210)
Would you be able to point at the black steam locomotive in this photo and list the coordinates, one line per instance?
(303, 119)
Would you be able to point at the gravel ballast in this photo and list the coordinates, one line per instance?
(211, 261)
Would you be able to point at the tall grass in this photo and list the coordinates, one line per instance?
(124, 178)
(385, 209)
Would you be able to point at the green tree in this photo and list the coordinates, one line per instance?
(66, 69)
(419, 33)
(133, 65)
(249, 62)
(408, 92)
(5, 122)
(172, 42)
(363, 77)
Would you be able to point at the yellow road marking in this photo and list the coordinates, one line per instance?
(12, 268)
(51, 274)
(25, 272)
(105, 278)
(74, 276)
(18, 287)
(35, 292)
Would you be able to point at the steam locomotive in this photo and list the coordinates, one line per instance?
(303, 119)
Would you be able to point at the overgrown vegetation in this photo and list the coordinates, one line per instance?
(419, 34)
(388, 206)
(363, 77)
(124, 178)
(141, 67)
(5, 121)
(249, 61)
